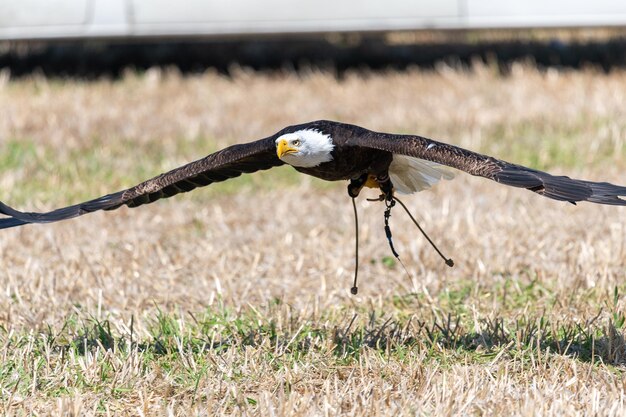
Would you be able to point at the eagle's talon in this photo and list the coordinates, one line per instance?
(387, 188)
(356, 185)
(353, 191)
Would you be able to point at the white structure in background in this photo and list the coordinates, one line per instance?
(57, 19)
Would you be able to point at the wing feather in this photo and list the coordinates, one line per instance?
(556, 187)
(219, 166)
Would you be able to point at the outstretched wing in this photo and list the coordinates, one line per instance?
(556, 187)
(219, 166)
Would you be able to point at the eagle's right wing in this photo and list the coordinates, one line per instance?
(556, 187)
(219, 166)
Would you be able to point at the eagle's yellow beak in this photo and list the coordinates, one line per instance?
(283, 148)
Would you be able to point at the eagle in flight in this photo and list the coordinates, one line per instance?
(337, 151)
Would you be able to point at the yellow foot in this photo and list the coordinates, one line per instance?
(371, 182)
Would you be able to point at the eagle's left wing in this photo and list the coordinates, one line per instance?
(219, 166)
(556, 187)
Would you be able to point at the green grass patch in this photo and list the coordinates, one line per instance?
(548, 145)
(188, 349)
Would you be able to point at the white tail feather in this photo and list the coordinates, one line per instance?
(410, 175)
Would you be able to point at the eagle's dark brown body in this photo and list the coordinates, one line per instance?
(351, 158)
(357, 151)
(351, 163)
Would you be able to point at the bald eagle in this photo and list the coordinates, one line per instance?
(337, 151)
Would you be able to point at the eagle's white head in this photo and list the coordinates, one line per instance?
(304, 148)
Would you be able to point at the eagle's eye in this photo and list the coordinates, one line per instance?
(296, 142)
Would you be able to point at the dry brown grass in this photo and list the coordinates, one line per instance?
(238, 302)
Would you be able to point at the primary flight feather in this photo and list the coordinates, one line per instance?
(337, 151)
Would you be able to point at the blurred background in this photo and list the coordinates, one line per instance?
(89, 38)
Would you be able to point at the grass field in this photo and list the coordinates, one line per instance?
(234, 299)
